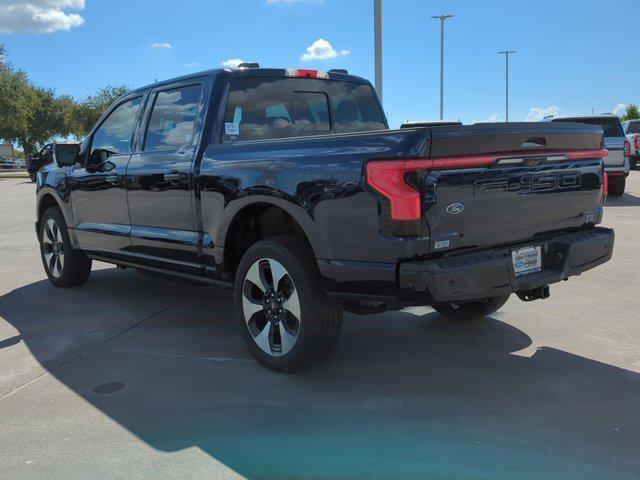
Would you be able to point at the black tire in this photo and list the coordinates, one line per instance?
(317, 330)
(472, 310)
(617, 186)
(74, 268)
(33, 177)
(633, 163)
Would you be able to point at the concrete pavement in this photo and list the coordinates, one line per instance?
(135, 377)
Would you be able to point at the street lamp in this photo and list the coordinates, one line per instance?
(377, 44)
(506, 56)
(442, 18)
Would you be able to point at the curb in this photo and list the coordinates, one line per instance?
(22, 174)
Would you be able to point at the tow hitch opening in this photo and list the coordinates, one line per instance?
(539, 293)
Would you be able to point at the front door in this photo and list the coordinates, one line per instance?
(160, 180)
(99, 197)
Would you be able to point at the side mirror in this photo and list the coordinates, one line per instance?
(66, 154)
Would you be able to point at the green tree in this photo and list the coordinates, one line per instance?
(89, 111)
(632, 112)
(28, 114)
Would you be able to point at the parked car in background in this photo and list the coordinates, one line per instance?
(37, 161)
(289, 187)
(7, 163)
(616, 164)
(632, 131)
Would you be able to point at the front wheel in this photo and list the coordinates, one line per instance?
(65, 266)
(287, 321)
(472, 310)
(617, 186)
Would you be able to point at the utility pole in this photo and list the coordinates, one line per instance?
(442, 18)
(506, 56)
(377, 44)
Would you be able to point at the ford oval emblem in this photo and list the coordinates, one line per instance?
(455, 208)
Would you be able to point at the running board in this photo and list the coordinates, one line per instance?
(171, 273)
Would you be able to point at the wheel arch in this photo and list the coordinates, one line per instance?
(263, 218)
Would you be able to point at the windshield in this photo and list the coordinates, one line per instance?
(633, 127)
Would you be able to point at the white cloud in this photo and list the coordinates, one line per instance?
(321, 50)
(494, 118)
(536, 114)
(618, 109)
(232, 62)
(17, 16)
(192, 65)
(166, 46)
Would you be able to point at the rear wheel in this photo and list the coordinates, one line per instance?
(472, 310)
(617, 186)
(65, 266)
(633, 161)
(287, 321)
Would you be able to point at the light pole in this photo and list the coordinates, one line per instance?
(377, 44)
(442, 18)
(506, 56)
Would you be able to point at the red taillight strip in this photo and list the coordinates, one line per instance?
(471, 161)
(605, 184)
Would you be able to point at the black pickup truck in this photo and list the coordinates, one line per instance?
(289, 187)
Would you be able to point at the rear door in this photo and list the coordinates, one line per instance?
(160, 177)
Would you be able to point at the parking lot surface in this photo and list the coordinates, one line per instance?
(136, 377)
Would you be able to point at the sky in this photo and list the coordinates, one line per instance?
(573, 56)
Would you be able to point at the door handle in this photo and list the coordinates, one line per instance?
(175, 177)
(113, 179)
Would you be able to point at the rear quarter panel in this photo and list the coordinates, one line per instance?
(317, 180)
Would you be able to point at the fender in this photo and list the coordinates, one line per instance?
(54, 183)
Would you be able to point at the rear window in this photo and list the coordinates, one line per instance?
(611, 126)
(634, 127)
(264, 108)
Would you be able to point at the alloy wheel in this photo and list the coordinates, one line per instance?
(271, 307)
(53, 248)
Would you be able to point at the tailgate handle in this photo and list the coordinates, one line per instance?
(535, 142)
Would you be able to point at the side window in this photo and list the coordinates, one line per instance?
(173, 118)
(114, 135)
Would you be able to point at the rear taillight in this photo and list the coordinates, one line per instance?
(387, 178)
(605, 184)
(627, 148)
(636, 142)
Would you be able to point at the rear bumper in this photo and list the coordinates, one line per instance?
(490, 273)
(618, 170)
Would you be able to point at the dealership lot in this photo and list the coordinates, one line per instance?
(137, 377)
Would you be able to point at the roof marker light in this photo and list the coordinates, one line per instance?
(299, 73)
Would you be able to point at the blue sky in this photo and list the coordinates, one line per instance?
(573, 56)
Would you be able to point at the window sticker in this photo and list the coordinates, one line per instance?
(231, 128)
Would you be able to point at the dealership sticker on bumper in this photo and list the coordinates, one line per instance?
(526, 260)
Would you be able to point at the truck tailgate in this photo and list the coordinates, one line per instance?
(473, 207)
(529, 180)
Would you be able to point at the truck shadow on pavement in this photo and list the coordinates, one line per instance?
(626, 200)
(404, 396)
